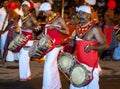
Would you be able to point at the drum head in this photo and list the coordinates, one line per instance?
(65, 62)
(79, 76)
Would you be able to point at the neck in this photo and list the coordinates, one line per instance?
(85, 24)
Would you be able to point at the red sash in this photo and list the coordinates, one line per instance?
(89, 58)
(55, 35)
(28, 35)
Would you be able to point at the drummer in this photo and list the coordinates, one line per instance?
(55, 26)
(89, 39)
(28, 25)
(13, 30)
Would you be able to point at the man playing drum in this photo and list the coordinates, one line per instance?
(28, 21)
(55, 26)
(13, 30)
(89, 39)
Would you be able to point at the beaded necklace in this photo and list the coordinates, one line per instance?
(53, 17)
(81, 30)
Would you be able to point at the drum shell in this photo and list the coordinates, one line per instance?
(87, 78)
(17, 43)
(40, 47)
(65, 62)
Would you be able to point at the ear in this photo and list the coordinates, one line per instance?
(89, 16)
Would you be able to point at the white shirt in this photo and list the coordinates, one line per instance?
(2, 17)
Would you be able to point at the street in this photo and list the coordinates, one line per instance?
(110, 78)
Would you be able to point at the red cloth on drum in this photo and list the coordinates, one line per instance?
(88, 58)
(68, 48)
(29, 35)
(108, 34)
(55, 35)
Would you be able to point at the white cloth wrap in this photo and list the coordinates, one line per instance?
(24, 65)
(51, 77)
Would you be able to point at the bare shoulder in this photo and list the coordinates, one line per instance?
(60, 18)
(96, 29)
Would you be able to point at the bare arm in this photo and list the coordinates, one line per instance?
(64, 29)
(99, 36)
(96, 34)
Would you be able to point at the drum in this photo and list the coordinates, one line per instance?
(17, 43)
(80, 76)
(41, 47)
(65, 62)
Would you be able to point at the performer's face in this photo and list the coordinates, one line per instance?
(25, 8)
(83, 17)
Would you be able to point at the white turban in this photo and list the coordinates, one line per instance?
(91, 2)
(26, 3)
(45, 6)
(84, 8)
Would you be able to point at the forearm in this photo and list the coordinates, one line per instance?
(100, 47)
(66, 32)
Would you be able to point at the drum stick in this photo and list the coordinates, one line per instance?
(117, 31)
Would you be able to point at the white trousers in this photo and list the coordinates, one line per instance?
(51, 77)
(24, 62)
(12, 56)
(93, 84)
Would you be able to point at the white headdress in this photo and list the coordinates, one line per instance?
(26, 3)
(84, 8)
(45, 6)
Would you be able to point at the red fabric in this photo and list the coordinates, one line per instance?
(108, 34)
(31, 5)
(89, 58)
(68, 48)
(55, 35)
(12, 6)
(111, 4)
(28, 35)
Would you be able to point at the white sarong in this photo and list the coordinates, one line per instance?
(24, 65)
(51, 77)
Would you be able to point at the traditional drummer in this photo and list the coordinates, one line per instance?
(54, 27)
(28, 22)
(89, 39)
(13, 30)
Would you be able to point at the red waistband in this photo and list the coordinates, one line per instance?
(29, 35)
